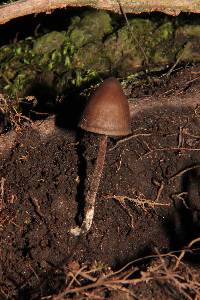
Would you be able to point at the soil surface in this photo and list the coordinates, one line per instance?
(148, 197)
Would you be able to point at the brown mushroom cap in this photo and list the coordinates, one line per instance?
(107, 111)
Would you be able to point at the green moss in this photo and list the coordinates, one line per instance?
(189, 31)
(92, 27)
(48, 42)
(91, 57)
(190, 52)
(142, 42)
(5, 52)
(187, 41)
(164, 32)
(160, 45)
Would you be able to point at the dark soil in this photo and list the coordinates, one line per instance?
(148, 197)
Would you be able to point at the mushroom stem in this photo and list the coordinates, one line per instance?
(93, 189)
(94, 185)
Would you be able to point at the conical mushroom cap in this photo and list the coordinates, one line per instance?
(107, 111)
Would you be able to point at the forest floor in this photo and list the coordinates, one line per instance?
(143, 243)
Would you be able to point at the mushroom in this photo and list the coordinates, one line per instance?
(107, 114)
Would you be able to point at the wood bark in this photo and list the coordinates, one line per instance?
(26, 7)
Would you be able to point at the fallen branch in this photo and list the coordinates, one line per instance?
(27, 7)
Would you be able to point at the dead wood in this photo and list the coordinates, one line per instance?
(26, 7)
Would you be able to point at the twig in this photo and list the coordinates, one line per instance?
(74, 277)
(169, 149)
(187, 83)
(139, 201)
(177, 61)
(132, 34)
(180, 173)
(37, 207)
(160, 189)
(194, 242)
(2, 193)
(124, 140)
(182, 279)
(180, 137)
(179, 196)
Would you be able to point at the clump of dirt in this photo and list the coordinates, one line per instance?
(148, 197)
